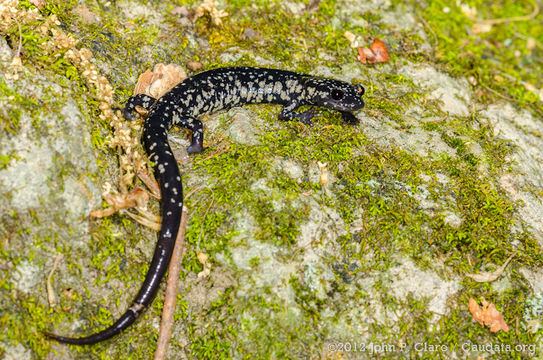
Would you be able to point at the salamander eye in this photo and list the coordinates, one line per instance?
(337, 94)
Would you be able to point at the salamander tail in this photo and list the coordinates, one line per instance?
(124, 322)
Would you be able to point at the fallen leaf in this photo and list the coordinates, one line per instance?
(376, 53)
(488, 315)
(155, 225)
(143, 82)
(476, 311)
(150, 182)
(162, 79)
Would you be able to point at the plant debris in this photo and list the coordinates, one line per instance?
(376, 53)
(162, 79)
(210, 7)
(203, 259)
(51, 296)
(324, 172)
(135, 198)
(490, 276)
(487, 315)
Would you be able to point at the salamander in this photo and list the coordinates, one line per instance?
(200, 94)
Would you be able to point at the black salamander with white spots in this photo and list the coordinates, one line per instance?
(200, 94)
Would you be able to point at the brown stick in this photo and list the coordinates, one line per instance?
(510, 19)
(170, 298)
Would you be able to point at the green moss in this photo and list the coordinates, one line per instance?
(498, 59)
(376, 190)
(5, 159)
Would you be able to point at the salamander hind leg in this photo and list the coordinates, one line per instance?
(145, 101)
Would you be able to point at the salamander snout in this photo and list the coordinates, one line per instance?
(360, 89)
(346, 97)
(334, 94)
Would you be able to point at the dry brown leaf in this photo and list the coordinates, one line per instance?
(476, 311)
(162, 79)
(487, 315)
(376, 53)
(143, 82)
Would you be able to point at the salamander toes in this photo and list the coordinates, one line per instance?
(195, 148)
(349, 118)
(306, 117)
(127, 114)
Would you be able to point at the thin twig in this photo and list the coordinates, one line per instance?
(225, 150)
(491, 276)
(511, 19)
(20, 40)
(427, 26)
(50, 290)
(537, 43)
(150, 182)
(499, 94)
(205, 215)
(165, 332)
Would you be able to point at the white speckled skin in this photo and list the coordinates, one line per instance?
(200, 94)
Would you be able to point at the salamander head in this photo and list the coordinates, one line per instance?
(333, 94)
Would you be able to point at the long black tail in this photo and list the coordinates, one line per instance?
(167, 172)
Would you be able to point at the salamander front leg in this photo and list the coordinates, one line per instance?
(349, 118)
(288, 114)
(145, 101)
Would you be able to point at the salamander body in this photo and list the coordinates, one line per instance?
(200, 94)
